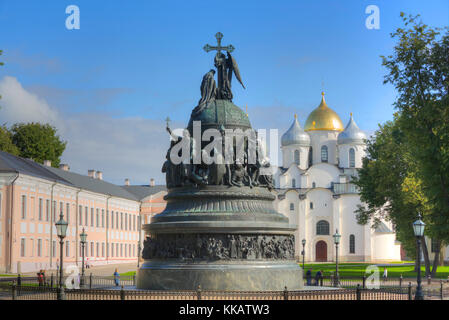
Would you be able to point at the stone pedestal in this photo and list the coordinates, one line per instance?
(222, 238)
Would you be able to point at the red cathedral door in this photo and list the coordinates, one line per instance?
(321, 251)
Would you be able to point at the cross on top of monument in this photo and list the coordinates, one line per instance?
(218, 47)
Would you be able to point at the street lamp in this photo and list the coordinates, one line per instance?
(83, 237)
(337, 237)
(61, 231)
(418, 229)
(303, 252)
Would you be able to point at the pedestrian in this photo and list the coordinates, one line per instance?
(116, 278)
(40, 278)
(44, 280)
(385, 276)
(318, 276)
(309, 277)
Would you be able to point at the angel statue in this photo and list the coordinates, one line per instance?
(225, 67)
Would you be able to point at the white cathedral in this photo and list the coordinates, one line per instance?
(315, 192)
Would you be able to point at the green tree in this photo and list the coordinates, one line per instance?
(6, 143)
(419, 70)
(38, 141)
(384, 182)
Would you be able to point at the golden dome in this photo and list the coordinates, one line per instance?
(323, 118)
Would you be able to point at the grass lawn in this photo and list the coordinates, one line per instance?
(129, 273)
(358, 270)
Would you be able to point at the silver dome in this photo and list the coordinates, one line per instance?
(352, 134)
(295, 135)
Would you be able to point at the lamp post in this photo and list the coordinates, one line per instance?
(418, 229)
(337, 237)
(83, 237)
(303, 252)
(61, 230)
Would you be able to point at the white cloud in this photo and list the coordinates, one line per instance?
(121, 148)
(19, 105)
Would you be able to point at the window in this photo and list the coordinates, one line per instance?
(292, 206)
(324, 154)
(53, 249)
(39, 247)
(91, 217)
(134, 223)
(313, 185)
(80, 213)
(53, 211)
(67, 248)
(107, 219)
(32, 248)
(126, 221)
(434, 246)
(121, 249)
(98, 249)
(351, 158)
(61, 208)
(41, 203)
(116, 250)
(92, 252)
(322, 228)
(297, 157)
(24, 207)
(311, 205)
(112, 219)
(102, 249)
(67, 209)
(293, 183)
(351, 243)
(121, 220)
(22, 247)
(86, 216)
(112, 250)
(98, 217)
(102, 218)
(310, 157)
(47, 210)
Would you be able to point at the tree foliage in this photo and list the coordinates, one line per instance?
(6, 143)
(417, 170)
(38, 141)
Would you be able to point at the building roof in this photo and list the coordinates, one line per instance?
(295, 135)
(352, 134)
(11, 163)
(92, 184)
(144, 191)
(382, 228)
(323, 118)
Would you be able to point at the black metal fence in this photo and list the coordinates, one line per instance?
(15, 292)
(353, 282)
(89, 281)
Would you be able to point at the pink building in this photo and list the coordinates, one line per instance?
(32, 196)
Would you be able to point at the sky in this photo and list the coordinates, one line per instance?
(109, 85)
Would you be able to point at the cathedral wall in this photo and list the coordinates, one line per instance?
(349, 226)
(318, 139)
(385, 247)
(322, 174)
(343, 155)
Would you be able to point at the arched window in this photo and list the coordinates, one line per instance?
(352, 158)
(311, 205)
(292, 206)
(310, 157)
(351, 243)
(297, 157)
(293, 183)
(313, 185)
(324, 154)
(322, 227)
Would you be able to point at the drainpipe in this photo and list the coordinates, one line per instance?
(52, 213)
(76, 225)
(11, 220)
(107, 228)
(139, 227)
